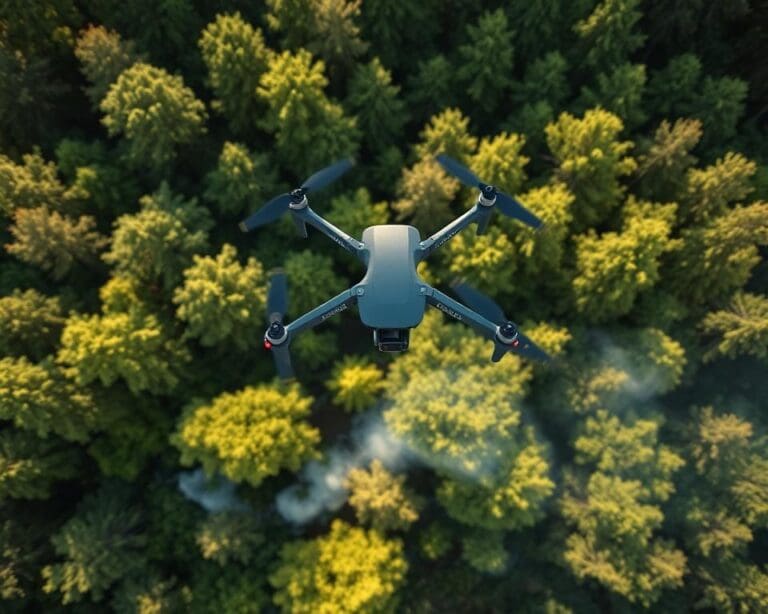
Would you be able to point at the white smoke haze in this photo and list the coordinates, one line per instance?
(216, 494)
(321, 483)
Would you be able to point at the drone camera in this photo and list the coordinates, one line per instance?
(391, 339)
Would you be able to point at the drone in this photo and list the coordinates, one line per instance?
(391, 297)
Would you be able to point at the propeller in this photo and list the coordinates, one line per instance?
(508, 205)
(276, 338)
(490, 310)
(280, 204)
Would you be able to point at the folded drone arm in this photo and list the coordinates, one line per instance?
(319, 314)
(460, 312)
(306, 215)
(478, 214)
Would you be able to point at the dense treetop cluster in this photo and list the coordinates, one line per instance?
(629, 475)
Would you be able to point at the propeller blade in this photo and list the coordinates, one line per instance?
(512, 208)
(481, 303)
(529, 349)
(277, 299)
(329, 174)
(282, 357)
(268, 213)
(458, 170)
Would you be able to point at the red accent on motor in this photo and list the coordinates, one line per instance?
(515, 343)
(267, 344)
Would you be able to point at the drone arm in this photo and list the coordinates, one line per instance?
(319, 314)
(427, 246)
(456, 310)
(335, 234)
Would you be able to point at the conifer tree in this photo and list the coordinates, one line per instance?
(610, 34)
(311, 280)
(742, 328)
(30, 324)
(619, 91)
(241, 181)
(33, 183)
(447, 132)
(355, 382)
(426, 192)
(230, 536)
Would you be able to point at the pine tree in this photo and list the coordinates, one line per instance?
(347, 570)
(355, 382)
(236, 57)
(248, 435)
(742, 328)
(241, 182)
(154, 110)
(426, 192)
(448, 133)
(227, 537)
(500, 161)
(33, 183)
(311, 281)
(30, 324)
(619, 91)
(355, 211)
(609, 33)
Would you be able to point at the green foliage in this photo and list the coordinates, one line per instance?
(248, 435)
(30, 324)
(545, 80)
(227, 589)
(38, 398)
(590, 160)
(31, 184)
(30, 465)
(487, 60)
(448, 133)
(54, 242)
(355, 383)
(99, 545)
(609, 32)
(227, 537)
(103, 55)
(620, 92)
(154, 110)
(241, 181)
(310, 130)
(223, 301)
(236, 57)
(157, 243)
(488, 259)
(311, 280)
(742, 328)
(484, 550)
(381, 499)
(347, 570)
(355, 211)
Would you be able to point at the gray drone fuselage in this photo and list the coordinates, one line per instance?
(392, 294)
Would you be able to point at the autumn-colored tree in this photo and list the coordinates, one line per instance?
(54, 242)
(742, 328)
(222, 300)
(100, 544)
(448, 133)
(426, 192)
(30, 324)
(248, 435)
(381, 499)
(236, 56)
(154, 110)
(103, 55)
(158, 242)
(347, 570)
(356, 383)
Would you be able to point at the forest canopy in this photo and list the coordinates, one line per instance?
(151, 460)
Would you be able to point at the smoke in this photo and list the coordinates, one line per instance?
(321, 483)
(216, 494)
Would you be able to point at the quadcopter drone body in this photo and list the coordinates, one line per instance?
(391, 297)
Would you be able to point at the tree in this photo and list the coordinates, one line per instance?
(222, 300)
(381, 499)
(720, 106)
(616, 510)
(670, 90)
(236, 56)
(248, 435)
(545, 80)
(709, 191)
(662, 167)
(241, 182)
(230, 536)
(742, 328)
(609, 33)
(231, 588)
(311, 281)
(489, 260)
(432, 87)
(487, 60)
(154, 110)
(426, 192)
(356, 383)
(484, 550)
(374, 101)
(590, 160)
(310, 130)
(30, 465)
(619, 91)
(31, 184)
(499, 161)
(347, 570)
(134, 346)
(103, 55)
(30, 324)
(448, 133)
(611, 270)
(100, 544)
(353, 212)
(54, 242)
(38, 398)
(158, 242)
